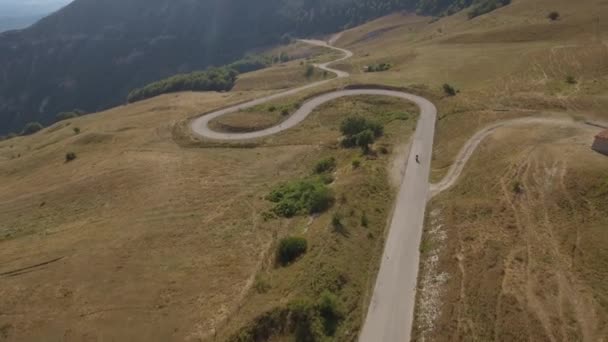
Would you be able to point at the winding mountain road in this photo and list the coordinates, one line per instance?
(391, 310)
(392, 305)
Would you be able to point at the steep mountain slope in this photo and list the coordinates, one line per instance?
(92, 53)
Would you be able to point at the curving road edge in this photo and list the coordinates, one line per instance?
(391, 310)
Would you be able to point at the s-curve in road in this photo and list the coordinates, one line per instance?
(200, 126)
(392, 305)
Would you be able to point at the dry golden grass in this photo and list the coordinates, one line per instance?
(511, 63)
(140, 239)
(143, 238)
(344, 260)
(289, 74)
(136, 225)
(519, 245)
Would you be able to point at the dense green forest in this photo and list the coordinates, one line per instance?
(215, 79)
(92, 53)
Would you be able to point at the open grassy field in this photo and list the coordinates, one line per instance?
(141, 239)
(516, 251)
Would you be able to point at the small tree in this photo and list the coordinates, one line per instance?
(360, 132)
(32, 128)
(290, 249)
(570, 79)
(449, 90)
(364, 139)
(553, 16)
(76, 130)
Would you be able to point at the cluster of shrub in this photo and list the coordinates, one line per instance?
(213, 79)
(378, 67)
(306, 196)
(250, 63)
(308, 320)
(360, 132)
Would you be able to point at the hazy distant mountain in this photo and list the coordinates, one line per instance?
(92, 53)
(22, 8)
(18, 22)
(18, 14)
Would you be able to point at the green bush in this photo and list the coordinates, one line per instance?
(31, 128)
(449, 90)
(308, 320)
(553, 16)
(364, 139)
(330, 312)
(364, 220)
(356, 163)
(307, 196)
(70, 156)
(250, 63)
(325, 165)
(308, 325)
(360, 132)
(216, 79)
(354, 125)
(570, 79)
(290, 249)
(378, 67)
(76, 130)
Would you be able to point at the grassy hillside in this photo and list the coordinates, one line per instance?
(150, 234)
(517, 250)
(503, 256)
(178, 236)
